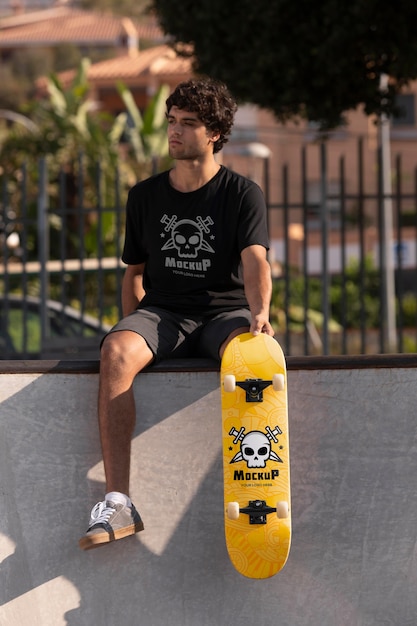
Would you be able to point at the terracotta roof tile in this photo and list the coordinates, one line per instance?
(158, 62)
(75, 26)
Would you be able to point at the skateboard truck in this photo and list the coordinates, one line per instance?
(254, 388)
(257, 511)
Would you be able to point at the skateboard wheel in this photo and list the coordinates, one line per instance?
(229, 383)
(233, 510)
(278, 382)
(282, 509)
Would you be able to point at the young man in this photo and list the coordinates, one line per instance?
(197, 275)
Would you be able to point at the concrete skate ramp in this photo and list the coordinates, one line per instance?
(353, 560)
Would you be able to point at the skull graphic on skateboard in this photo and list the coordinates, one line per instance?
(256, 467)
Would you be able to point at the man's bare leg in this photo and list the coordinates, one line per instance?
(233, 334)
(123, 355)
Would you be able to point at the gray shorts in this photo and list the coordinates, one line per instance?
(170, 335)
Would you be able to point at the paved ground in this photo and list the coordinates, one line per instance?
(354, 480)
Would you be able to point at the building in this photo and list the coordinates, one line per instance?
(141, 71)
(87, 30)
(288, 161)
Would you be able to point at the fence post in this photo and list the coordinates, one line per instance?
(43, 243)
(324, 220)
(387, 253)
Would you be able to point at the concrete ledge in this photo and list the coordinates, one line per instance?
(93, 367)
(354, 466)
(377, 361)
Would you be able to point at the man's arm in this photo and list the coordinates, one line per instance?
(132, 288)
(258, 287)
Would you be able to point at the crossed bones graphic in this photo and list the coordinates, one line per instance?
(171, 222)
(187, 236)
(255, 446)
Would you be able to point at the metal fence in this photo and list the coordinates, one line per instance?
(344, 262)
(60, 273)
(347, 257)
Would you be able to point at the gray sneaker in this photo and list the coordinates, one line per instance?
(110, 521)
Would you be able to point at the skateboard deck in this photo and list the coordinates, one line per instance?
(256, 466)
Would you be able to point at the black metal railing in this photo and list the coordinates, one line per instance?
(60, 269)
(351, 285)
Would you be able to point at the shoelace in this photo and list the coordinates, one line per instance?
(101, 513)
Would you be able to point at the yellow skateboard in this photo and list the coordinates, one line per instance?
(256, 455)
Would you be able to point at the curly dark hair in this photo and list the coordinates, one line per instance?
(212, 101)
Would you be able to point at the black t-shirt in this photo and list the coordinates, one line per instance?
(191, 242)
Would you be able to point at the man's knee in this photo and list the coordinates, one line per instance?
(125, 349)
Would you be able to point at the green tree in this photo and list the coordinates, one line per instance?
(354, 298)
(65, 126)
(92, 159)
(18, 74)
(146, 134)
(67, 123)
(309, 59)
(356, 295)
